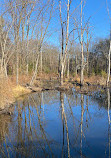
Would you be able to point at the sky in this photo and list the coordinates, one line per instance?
(100, 19)
(99, 22)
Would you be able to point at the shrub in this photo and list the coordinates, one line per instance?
(46, 70)
(103, 74)
(93, 72)
(30, 68)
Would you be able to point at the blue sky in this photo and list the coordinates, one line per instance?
(99, 21)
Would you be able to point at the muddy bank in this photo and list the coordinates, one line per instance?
(9, 95)
(90, 84)
(54, 84)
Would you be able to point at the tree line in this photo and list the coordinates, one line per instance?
(25, 29)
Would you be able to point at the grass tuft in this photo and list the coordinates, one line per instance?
(20, 90)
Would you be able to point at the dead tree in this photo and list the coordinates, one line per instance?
(64, 52)
(82, 49)
(109, 54)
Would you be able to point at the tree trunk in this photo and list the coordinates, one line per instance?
(61, 59)
(17, 62)
(17, 68)
(82, 65)
(108, 78)
(27, 66)
(82, 54)
(68, 68)
(87, 54)
(76, 66)
(64, 56)
(41, 62)
(62, 74)
(35, 72)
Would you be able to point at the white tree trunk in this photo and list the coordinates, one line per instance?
(68, 68)
(64, 56)
(82, 54)
(108, 78)
(35, 72)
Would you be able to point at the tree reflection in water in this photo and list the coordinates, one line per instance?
(4, 131)
(109, 124)
(52, 124)
(64, 119)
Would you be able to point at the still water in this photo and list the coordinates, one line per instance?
(57, 124)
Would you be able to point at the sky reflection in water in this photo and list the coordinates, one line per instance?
(56, 124)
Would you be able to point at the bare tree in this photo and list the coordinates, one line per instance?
(64, 52)
(108, 77)
(82, 51)
(81, 28)
(87, 43)
(5, 28)
(3, 42)
(47, 8)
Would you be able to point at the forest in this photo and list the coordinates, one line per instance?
(32, 44)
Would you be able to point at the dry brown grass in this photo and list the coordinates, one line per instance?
(20, 90)
(23, 79)
(9, 91)
(6, 95)
(97, 80)
(47, 76)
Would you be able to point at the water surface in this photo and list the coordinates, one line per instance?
(57, 124)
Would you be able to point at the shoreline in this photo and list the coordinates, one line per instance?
(48, 83)
(8, 102)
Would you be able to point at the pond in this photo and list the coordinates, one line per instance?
(57, 124)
